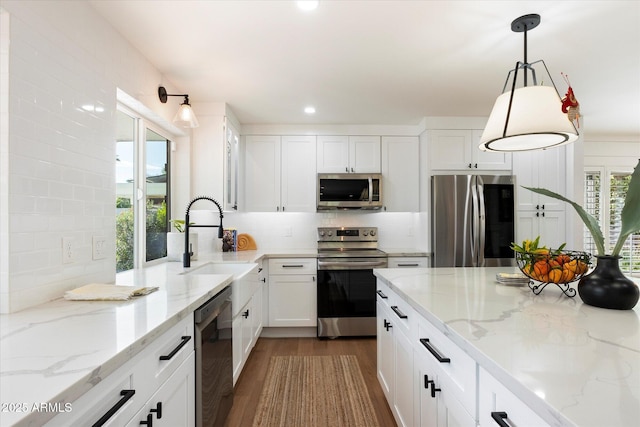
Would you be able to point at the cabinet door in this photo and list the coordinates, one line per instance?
(257, 317)
(403, 379)
(449, 149)
(364, 154)
(236, 344)
(549, 225)
(292, 300)
(174, 400)
(298, 186)
(333, 154)
(488, 160)
(401, 173)
(384, 344)
(262, 173)
(425, 406)
(247, 315)
(540, 169)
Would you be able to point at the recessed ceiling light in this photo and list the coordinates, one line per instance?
(310, 110)
(308, 4)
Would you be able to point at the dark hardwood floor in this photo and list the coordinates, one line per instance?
(249, 386)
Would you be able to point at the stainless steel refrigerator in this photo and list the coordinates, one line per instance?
(472, 220)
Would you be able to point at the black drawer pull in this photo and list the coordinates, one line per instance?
(185, 340)
(157, 410)
(382, 295)
(433, 387)
(398, 312)
(126, 395)
(432, 350)
(148, 422)
(387, 325)
(408, 265)
(499, 418)
(292, 265)
(246, 314)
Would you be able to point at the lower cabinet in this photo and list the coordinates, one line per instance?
(292, 292)
(158, 383)
(247, 326)
(174, 402)
(497, 404)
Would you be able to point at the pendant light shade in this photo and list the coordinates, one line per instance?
(528, 117)
(185, 116)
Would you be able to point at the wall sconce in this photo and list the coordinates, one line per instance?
(184, 117)
(529, 117)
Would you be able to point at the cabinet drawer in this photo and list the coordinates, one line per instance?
(400, 313)
(292, 266)
(408, 262)
(457, 368)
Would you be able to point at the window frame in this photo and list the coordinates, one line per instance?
(139, 202)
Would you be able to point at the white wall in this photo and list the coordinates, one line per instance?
(57, 151)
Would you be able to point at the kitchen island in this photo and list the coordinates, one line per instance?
(572, 364)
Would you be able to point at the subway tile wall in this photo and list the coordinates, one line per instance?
(58, 154)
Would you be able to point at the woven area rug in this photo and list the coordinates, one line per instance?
(314, 391)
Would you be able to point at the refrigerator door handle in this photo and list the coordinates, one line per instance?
(474, 224)
(481, 222)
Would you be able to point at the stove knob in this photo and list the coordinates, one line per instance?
(321, 233)
(372, 232)
(365, 233)
(330, 233)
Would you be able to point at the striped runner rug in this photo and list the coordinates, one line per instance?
(314, 391)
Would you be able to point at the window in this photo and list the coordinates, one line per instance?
(142, 192)
(605, 192)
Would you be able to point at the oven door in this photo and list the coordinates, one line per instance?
(347, 300)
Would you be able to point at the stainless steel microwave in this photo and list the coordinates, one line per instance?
(349, 191)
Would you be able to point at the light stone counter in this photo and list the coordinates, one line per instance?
(56, 352)
(571, 363)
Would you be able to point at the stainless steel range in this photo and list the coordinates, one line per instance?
(346, 284)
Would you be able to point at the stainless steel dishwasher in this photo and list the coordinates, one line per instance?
(214, 364)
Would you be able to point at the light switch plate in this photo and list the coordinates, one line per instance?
(99, 247)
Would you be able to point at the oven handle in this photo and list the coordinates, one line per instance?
(352, 265)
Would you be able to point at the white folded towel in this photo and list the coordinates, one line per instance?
(106, 292)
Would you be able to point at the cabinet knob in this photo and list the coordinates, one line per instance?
(148, 421)
(246, 314)
(352, 171)
(469, 165)
(264, 280)
(346, 169)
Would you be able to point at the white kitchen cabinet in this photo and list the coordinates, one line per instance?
(539, 215)
(452, 149)
(496, 401)
(348, 154)
(247, 326)
(280, 173)
(124, 394)
(408, 262)
(395, 321)
(173, 404)
(292, 292)
(401, 173)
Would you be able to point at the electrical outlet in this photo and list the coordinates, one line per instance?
(99, 247)
(68, 250)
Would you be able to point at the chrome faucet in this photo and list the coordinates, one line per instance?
(186, 257)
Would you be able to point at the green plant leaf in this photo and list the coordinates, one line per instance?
(589, 220)
(630, 218)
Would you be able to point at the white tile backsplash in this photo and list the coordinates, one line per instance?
(57, 167)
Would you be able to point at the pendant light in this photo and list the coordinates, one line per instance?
(184, 117)
(529, 117)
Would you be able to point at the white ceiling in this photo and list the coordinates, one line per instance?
(386, 62)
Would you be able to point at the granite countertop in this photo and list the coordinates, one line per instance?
(572, 363)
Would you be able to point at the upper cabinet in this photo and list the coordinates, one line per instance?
(401, 173)
(231, 167)
(280, 173)
(348, 154)
(458, 150)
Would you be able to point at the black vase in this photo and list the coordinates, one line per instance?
(607, 287)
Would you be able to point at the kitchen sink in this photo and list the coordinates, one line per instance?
(236, 269)
(245, 280)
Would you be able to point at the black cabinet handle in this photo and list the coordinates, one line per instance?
(292, 265)
(126, 395)
(408, 265)
(387, 325)
(264, 280)
(246, 314)
(157, 410)
(433, 387)
(426, 381)
(259, 269)
(499, 418)
(432, 350)
(148, 421)
(398, 312)
(185, 340)
(382, 295)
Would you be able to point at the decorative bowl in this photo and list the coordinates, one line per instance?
(559, 267)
